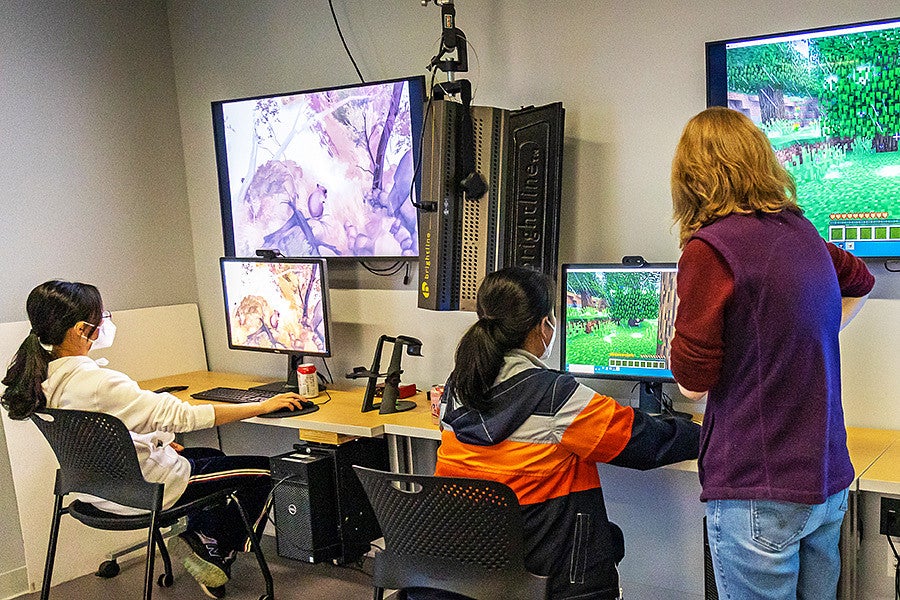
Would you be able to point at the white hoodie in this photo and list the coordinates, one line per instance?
(78, 382)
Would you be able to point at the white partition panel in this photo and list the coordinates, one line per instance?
(150, 342)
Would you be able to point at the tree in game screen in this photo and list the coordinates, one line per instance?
(619, 319)
(830, 104)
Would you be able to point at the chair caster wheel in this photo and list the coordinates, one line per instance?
(265, 597)
(165, 580)
(108, 569)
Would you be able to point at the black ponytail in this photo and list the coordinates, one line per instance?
(510, 303)
(53, 308)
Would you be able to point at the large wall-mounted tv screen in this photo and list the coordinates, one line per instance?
(829, 101)
(327, 172)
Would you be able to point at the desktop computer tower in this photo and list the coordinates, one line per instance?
(516, 222)
(321, 510)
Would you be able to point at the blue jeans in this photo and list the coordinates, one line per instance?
(212, 471)
(772, 550)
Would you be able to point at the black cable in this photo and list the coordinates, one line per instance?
(896, 568)
(271, 497)
(327, 370)
(396, 266)
(343, 41)
(385, 272)
(327, 401)
(429, 206)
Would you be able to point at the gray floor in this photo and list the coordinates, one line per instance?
(293, 581)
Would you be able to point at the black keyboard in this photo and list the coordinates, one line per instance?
(233, 395)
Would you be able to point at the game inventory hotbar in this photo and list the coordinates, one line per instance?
(866, 233)
(638, 362)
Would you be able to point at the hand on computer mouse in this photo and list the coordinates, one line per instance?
(291, 400)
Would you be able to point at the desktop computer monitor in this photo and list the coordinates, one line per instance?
(828, 99)
(327, 172)
(618, 323)
(278, 306)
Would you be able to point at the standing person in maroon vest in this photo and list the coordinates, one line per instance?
(762, 300)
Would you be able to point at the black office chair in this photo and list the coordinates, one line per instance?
(96, 456)
(453, 534)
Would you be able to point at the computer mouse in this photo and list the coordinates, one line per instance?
(308, 407)
(171, 388)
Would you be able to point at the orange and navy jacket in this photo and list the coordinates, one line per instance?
(543, 437)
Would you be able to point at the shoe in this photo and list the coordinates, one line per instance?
(219, 591)
(213, 591)
(201, 558)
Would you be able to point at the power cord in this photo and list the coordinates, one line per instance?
(383, 271)
(271, 495)
(896, 567)
(326, 401)
(343, 41)
(327, 370)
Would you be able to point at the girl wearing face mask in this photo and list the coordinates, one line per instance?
(507, 417)
(52, 369)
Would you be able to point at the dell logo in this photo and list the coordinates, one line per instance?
(292, 509)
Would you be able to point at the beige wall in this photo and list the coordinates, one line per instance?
(100, 184)
(629, 79)
(92, 183)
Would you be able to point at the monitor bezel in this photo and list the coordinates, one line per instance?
(717, 74)
(562, 321)
(416, 90)
(326, 307)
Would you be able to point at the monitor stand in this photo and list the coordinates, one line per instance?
(290, 384)
(651, 400)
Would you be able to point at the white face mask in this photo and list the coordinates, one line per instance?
(106, 333)
(549, 346)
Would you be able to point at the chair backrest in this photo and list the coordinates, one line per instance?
(96, 456)
(444, 526)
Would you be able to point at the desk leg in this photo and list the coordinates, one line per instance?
(400, 454)
(393, 453)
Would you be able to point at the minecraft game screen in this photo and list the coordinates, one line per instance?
(618, 321)
(275, 306)
(829, 101)
(321, 173)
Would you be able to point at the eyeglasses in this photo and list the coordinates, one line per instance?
(103, 316)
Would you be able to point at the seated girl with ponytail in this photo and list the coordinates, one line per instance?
(52, 369)
(507, 417)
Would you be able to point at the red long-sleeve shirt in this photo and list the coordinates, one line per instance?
(705, 287)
